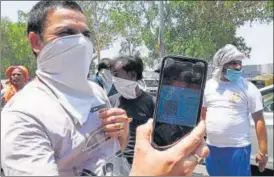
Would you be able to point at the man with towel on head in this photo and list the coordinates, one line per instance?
(229, 99)
(17, 78)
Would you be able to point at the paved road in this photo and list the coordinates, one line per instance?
(200, 170)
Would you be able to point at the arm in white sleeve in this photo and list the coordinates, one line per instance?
(255, 100)
(25, 147)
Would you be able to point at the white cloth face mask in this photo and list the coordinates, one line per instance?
(126, 88)
(106, 76)
(63, 65)
(66, 60)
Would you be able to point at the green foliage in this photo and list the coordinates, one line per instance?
(97, 13)
(200, 28)
(191, 28)
(15, 49)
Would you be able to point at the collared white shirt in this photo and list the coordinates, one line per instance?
(38, 137)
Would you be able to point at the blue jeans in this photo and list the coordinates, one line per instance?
(229, 161)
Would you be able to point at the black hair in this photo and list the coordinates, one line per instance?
(132, 64)
(186, 76)
(199, 67)
(38, 15)
(176, 68)
(104, 63)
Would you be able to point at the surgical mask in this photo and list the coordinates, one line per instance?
(125, 87)
(105, 78)
(63, 65)
(233, 75)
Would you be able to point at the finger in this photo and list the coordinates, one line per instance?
(190, 162)
(116, 119)
(262, 167)
(115, 134)
(188, 144)
(202, 150)
(113, 127)
(143, 135)
(105, 113)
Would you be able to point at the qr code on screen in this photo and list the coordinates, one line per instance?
(170, 107)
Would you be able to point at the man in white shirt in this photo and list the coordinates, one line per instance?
(59, 124)
(229, 99)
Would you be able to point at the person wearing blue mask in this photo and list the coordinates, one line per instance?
(104, 78)
(229, 99)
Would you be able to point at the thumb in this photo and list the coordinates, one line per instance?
(143, 133)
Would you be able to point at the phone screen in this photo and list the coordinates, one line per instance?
(179, 99)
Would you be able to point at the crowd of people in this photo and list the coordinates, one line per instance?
(65, 122)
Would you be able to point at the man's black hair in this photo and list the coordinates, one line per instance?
(104, 63)
(132, 64)
(176, 68)
(39, 13)
(199, 67)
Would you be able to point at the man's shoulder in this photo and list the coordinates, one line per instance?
(211, 81)
(210, 84)
(247, 86)
(34, 104)
(147, 98)
(251, 88)
(147, 95)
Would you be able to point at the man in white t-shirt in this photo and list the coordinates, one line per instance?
(229, 99)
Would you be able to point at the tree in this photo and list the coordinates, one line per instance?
(97, 13)
(192, 28)
(125, 19)
(198, 28)
(202, 27)
(15, 48)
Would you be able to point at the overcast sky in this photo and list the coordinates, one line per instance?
(259, 36)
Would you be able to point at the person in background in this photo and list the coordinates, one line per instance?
(103, 77)
(229, 99)
(17, 78)
(139, 105)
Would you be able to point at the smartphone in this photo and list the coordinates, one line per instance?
(179, 99)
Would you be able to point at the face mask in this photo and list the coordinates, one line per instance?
(63, 65)
(67, 60)
(106, 79)
(125, 87)
(233, 75)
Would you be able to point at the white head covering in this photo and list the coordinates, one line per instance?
(224, 55)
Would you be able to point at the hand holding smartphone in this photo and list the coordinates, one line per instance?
(179, 99)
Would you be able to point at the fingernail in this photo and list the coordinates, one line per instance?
(129, 119)
(102, 110)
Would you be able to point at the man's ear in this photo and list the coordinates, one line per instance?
(35, 42)
(133, 76)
